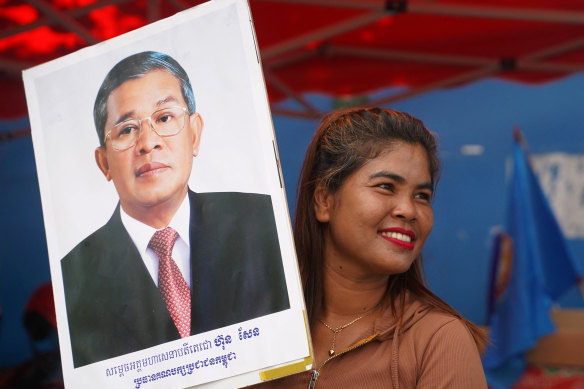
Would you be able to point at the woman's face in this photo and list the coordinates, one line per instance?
(379, 219)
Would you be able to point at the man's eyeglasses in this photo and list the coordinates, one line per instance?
(165, 122)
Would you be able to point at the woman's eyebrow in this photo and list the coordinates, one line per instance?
(384, 173)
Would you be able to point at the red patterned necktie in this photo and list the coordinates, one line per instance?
(173, 287)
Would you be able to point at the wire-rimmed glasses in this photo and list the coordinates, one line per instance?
(165, 122)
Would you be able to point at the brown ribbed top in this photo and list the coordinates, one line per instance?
(431, 350)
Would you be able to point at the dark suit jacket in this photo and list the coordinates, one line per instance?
(114, 306)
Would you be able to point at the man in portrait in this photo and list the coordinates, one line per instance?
(169, 263)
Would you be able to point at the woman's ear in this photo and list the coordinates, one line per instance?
(323, 203)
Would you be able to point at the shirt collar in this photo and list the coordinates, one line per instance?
(142, 233)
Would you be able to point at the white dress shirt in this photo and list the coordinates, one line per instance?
(142, 233)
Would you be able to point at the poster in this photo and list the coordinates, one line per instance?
(168, 125)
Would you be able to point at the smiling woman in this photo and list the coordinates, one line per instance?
(379, 219)
(363, 215)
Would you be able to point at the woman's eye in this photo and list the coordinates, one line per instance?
(386, 186)
(423, 196)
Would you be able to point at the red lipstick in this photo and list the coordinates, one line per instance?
(398, 236)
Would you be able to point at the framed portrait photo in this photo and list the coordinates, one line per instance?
(169, 238)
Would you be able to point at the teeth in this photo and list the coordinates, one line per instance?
(398, 236)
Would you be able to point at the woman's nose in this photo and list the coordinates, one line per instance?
(404, 208)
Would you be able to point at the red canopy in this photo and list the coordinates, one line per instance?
(338, 47)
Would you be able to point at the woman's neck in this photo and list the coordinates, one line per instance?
(348, 296)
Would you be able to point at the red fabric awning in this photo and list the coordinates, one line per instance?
(337, 47)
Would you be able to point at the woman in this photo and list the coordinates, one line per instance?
(363, 215)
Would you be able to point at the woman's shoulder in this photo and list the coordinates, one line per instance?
(444, 345)
(437, 324)
(418, 317)
(435, 319)
(436, 348)
(423, 324)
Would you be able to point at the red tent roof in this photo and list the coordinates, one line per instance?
(339, 47)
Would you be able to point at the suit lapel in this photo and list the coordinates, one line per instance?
(136, 301)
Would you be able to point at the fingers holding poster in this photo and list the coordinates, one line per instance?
(168, 232)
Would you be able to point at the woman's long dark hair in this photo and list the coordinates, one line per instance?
(343, 142)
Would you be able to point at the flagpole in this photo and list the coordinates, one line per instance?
(581, 287)
(518, 136)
